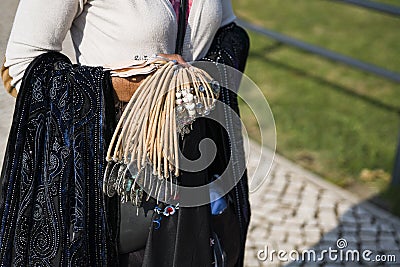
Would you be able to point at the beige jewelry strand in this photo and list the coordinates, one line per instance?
(144, 151)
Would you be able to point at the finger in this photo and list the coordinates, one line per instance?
(182, 61)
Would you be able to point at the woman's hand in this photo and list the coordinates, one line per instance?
(178, 58)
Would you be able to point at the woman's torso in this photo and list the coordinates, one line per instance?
(115, 31)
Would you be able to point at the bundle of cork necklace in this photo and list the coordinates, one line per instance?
(143, 154)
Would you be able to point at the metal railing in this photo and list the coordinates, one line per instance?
(385, 8)
(394, 76)
(334, 56)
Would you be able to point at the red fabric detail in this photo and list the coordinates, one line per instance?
(169, 209)
(176, 3)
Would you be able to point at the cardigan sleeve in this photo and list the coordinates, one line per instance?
(39, 26)
(227, 12)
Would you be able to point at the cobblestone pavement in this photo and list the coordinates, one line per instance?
(297, 212)
(293, 211)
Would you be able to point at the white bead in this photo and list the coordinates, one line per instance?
(190, 106)
(178, 95)
(192, 113)
(185, 99)
(189, 97)
(178, 101)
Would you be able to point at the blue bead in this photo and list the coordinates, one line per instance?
(128, 185)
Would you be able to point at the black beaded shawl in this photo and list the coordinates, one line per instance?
(53, 210)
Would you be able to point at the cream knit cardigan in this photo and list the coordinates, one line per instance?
(109, 31)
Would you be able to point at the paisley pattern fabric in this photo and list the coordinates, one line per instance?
(53, 211)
